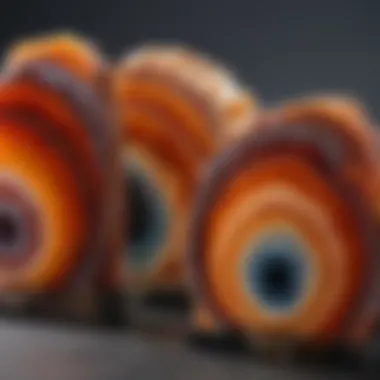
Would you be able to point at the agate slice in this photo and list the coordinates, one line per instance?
(59, 173)
(284, 238)
(178, 108)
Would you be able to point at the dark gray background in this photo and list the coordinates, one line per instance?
(283, 48)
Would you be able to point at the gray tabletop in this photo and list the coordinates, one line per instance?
(31, 352)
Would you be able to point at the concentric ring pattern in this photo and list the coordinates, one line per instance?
(177, 107)
(54, 155)
(284, 236)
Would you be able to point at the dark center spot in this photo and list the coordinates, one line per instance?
(278, 280)
(8, 229)
(140, 211)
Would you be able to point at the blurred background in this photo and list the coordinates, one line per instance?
(282, 48)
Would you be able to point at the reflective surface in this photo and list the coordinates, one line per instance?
(56, 353)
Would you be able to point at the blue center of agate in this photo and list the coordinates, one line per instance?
(276, 272)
